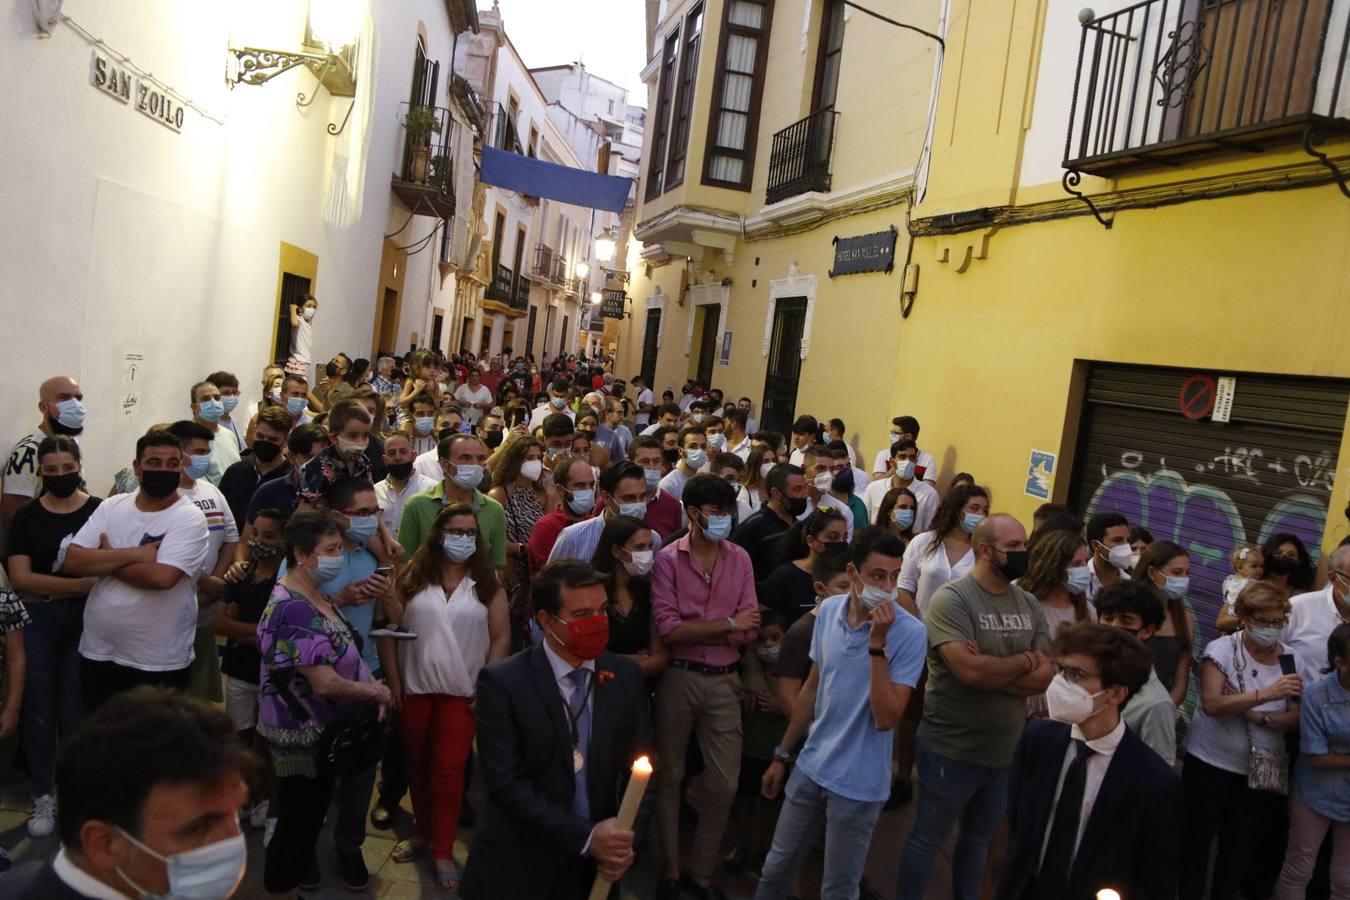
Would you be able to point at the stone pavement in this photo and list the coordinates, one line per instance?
(416, 880)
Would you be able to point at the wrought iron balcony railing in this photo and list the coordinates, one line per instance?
(521, 298)
(799, 160)
(1162, 80)
(502, 283)
(426, 176)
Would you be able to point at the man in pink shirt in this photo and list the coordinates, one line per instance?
(704, 606)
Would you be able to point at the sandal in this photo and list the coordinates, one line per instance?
(447, 875)
(407, 851)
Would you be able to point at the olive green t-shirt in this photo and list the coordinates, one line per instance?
(971, 725)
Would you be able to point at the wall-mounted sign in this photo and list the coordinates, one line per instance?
(726, 348)
(611, 304)
(1040, 474)
(1197, 396)
(873, 252)
(1223, 399)
(150, 98)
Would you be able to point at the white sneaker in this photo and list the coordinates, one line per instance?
(43, 820)
(267, 832)
(257, 817)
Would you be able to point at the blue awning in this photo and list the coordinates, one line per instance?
(562, 183)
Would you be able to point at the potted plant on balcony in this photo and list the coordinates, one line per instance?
(442, 177)
(419, 123)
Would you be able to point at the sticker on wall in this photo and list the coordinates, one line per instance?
(133, 376)
(1040, 474)
(726, 348)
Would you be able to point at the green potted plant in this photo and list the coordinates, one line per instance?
(419, 124)
(442, 177)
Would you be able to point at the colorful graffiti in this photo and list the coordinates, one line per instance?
(1205, 520)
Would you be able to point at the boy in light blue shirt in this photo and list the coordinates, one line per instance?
(867, 654)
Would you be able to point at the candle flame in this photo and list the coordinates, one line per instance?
(642, 765)
(1107, 894)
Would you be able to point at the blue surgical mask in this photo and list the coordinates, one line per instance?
(296, 405)
(214, 870)
(197, 466)
(211, 410)
(873, 596)
(695, 458)
(971, 521)
(70, 413)
(327, 568)
(424, 424)
(904, 518)
(558, 402)
(459, 547)
(1176, 586)
(636, 510)
(467, 476)
(230, 401)
(1264, 635)
(652, 477)
(362, 528)
(1078, 579)
(904, 469)
(582, 502)
(717, 441)
(718, 528)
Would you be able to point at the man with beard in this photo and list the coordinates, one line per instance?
(61, 403)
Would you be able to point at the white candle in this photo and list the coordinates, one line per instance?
(632, 799)
(1108, 894)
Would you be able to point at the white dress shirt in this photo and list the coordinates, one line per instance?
(882, 464)
(392, 500)
(80, 881)
(1097, 764)
(1312, 618)
(924, 493)
(428, 465)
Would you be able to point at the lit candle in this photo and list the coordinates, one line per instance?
(632, 799)
(1108, 894)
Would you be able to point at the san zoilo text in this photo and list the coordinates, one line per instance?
(152, 100)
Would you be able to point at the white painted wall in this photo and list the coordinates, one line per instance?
(118, 235)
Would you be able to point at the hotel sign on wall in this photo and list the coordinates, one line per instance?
(150, 98)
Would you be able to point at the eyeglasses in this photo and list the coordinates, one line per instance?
(1074, 675)
(1271, 623)
(461, 532)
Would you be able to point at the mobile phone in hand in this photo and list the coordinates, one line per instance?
(384, 571)
(1287, 664)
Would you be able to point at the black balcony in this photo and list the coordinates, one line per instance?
(800, 158)
(520, 299)
(1164, 80)
(425, 181)
(503, 281)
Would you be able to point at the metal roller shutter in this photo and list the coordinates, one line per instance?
(1207, 485)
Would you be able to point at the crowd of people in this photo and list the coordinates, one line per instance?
(404, 577)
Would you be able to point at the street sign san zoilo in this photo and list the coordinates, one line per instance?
(873, 252)
(153, 100)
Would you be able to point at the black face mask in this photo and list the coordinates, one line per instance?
(1016, 565)
(61, 486)
(446, 432)
(266, 451)
(401, 471)
(794, 506)
(58, 428)
(159, 483)
(671, 455)
(836, 547)
(843, 482)
(1281, 565)
(493, 439)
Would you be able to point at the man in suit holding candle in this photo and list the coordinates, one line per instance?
(559, 727)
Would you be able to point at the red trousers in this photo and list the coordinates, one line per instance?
(437, 732)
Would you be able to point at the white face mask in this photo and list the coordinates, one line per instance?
(1120, 556)
(1069, 703)
(872, 596)
(823, 481)
(532, 469)
(640, 564)
(765, 469)
(214, 870)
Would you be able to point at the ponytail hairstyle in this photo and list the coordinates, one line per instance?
(950, 511)
(793, 542)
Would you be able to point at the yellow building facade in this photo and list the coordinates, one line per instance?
(772, 129)
(1185, 366)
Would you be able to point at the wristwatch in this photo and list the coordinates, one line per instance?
(876, 651)
(732, 623)
(781, 755)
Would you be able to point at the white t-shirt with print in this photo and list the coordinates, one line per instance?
(21, 470)
(1224, 741)
(221, 530)
(144, 629)
(467, 396)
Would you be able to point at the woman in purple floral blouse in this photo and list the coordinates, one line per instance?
(308, 649)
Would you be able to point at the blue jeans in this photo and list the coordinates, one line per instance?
(848, 833)
(353, 802)
(51, 691)
(952, 792)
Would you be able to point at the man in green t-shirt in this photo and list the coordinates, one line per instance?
(987, 643)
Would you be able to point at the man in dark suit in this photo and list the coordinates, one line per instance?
(1090, 806)
(559, 726)
(151, 776)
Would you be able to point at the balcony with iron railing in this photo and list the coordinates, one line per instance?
(520, 298)
(500, 289)
(1164, 80)
(425, 180)
(799, 160)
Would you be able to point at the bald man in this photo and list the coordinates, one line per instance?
(61, 403)
(987, 652)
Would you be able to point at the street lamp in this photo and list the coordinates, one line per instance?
(595, 298)
(604, 249)
(582, 269)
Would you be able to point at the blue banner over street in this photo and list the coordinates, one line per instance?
(562, 183)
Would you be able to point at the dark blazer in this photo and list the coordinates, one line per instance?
(529, 844)
(1132, 838)
(40, 884)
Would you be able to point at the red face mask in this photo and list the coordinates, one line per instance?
(586, 638)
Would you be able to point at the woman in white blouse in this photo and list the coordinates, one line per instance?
(454, 604)
(752, 491)
(941, 554)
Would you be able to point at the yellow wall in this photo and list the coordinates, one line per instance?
(1253, 283)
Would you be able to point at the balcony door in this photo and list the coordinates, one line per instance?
(707, 341)
(649, 347)
(785, 365)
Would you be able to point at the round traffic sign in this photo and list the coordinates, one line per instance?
(1197, 396)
